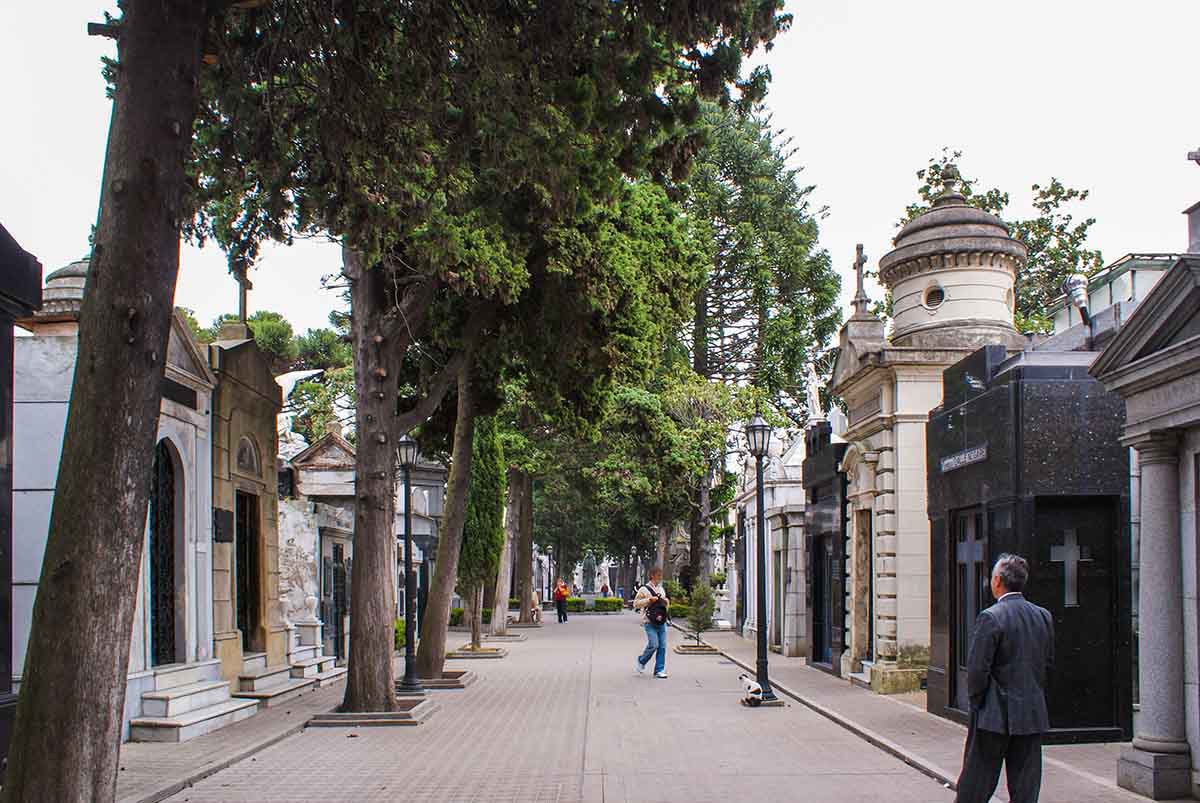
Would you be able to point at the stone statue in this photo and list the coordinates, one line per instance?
(589, 574)
(814, 394)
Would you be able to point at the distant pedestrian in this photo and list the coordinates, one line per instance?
(605, 591)
(1012, 651)
(560, 600)
(652, 601)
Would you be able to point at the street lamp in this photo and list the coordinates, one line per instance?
(758, 433)
(406, 454)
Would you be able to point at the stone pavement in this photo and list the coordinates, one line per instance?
(150, 771)
(1071, 773)
(564, 718)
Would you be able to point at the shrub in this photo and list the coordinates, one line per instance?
(717, 579)
(514, 604)
(678, 611)
(456, 617)
(607, 604)
(701, 613)
(675, 592)
(487, 616)
(575, 604)
(399, 635)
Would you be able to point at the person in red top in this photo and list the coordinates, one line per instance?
(561, 592)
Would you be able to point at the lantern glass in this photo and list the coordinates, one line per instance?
(406, 452)
(758, 433)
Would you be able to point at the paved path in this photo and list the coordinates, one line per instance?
(1071, 773)
(564, 718)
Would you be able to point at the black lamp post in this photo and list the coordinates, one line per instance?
(758, 433)
(406, 453)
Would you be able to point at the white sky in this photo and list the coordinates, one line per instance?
(1102, 95)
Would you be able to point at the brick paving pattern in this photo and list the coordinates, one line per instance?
(564, 718)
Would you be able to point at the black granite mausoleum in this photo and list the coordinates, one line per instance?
(20, 295)
(826, 513)
(1024, 456)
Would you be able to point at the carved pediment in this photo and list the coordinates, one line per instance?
(1167, 317)
(332, 451)
(184, 355)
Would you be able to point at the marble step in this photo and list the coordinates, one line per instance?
(274, 695)
(335, 675)
(253, 662)
(312, 667)
(265, 678)
(304, 653)
(187, 726)
(181, 699)
(169, 677)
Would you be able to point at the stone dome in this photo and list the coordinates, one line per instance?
(952, 274)
(62, 296)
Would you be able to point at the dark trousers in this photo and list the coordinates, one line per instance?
(985, 752)
(561, 606)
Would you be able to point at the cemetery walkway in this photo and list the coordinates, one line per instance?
(564, 718)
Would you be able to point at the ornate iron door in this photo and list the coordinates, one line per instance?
(162, 559)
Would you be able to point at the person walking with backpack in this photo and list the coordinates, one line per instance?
(652, 601)
(561, 592)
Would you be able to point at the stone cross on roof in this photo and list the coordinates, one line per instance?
(240, 273)
(861, 300)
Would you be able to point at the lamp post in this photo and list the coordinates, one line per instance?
(406, 453)
(758, 433)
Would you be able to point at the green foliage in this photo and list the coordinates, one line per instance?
(1057, 243)
(701, 608)
(323, 348)
(607, 604)
(458, 614)
(321, 399)
(483, 532)
(716, 579)
(399, 640)
(514, 604)
(576, 604)
(678, 610)
(675, 592)
(770, 302)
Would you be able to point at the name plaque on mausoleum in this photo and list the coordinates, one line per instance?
(976, 454)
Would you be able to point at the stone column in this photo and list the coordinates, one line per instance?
(1158, 764)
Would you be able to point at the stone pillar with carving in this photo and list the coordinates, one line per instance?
(1158, 764)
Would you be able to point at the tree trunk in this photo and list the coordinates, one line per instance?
(525, 550)
(370, 676)
(512, 526)
(700, 532)
(660, 559)
(68, 721)
(477, 618)
(431, 656)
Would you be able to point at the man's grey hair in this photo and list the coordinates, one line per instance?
(1013, 571)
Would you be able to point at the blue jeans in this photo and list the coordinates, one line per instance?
(656, 644)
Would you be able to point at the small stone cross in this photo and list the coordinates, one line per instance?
(861, 299)
(240, 275)
(1070, 554)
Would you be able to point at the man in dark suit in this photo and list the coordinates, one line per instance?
(1011, 653)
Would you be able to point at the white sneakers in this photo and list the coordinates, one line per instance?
(641, 668)
(661, 675)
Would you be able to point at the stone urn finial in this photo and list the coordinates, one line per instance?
(951, 178)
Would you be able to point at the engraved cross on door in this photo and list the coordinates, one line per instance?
(1070, 554)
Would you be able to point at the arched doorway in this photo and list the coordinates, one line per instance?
(164, 551)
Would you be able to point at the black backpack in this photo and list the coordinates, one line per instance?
(656, 612)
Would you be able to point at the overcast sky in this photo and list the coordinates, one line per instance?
(1101, 95)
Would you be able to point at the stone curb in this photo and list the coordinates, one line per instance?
(179, 784)
(919, 763)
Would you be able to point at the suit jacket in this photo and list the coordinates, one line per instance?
(1011, 654)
